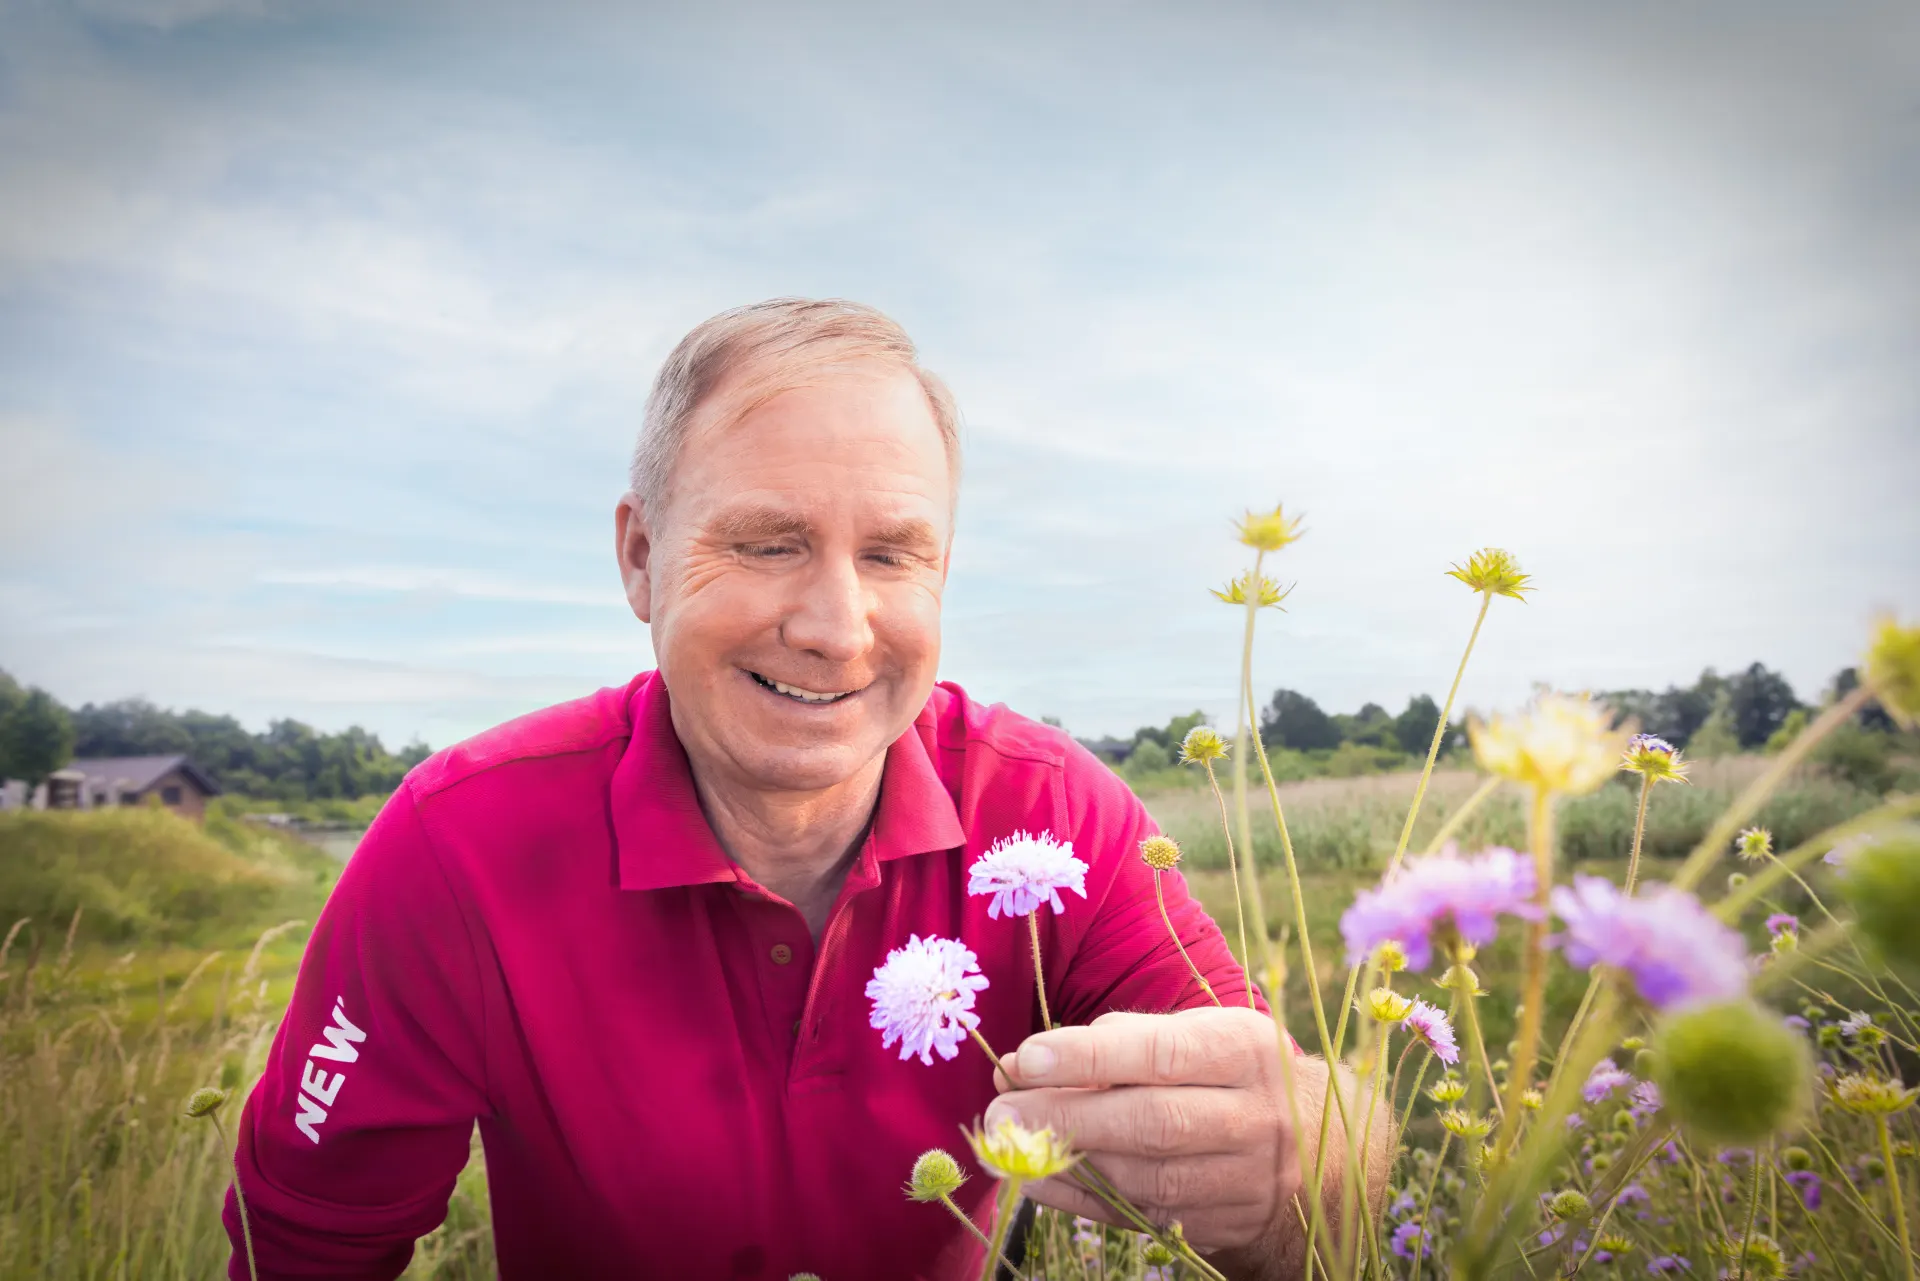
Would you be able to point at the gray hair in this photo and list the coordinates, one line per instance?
(776, 343)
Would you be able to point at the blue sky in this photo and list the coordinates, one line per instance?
(324, 331)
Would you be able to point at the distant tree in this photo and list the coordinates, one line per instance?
(1371, 726)
(1759, 700)
(1716, 735)
(1294, 720)
(1872, 716)
(1413, 728)
(1170, 735)
(1149, 757)
(36, 737)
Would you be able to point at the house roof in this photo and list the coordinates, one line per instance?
(138, 773)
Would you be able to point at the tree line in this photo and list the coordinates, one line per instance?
(290, 761)
(1715, 715)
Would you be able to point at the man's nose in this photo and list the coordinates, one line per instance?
(830, 618)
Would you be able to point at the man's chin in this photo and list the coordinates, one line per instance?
(805, 769)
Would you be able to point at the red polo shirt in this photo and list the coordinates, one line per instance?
(540, 933)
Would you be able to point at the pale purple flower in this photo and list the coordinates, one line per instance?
(1661, 1265)
(1807, 1184)
(1022, 872)
(1783, 923)
(1604, 1080)
(1797, 1023)
(1468, 893)
(1429, 1024)
(1856, 1023)
(923, 997)
(1677, 952)
(1404, 1238)
(1646, 1099)
(1632, 1194)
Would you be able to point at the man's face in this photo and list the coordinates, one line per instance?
(793, 582)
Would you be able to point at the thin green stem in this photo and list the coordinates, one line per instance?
(1439, 735)
(1160, 896)
(1753, 1212)
(1233, 866)
(1533, 1012)
(974, 1228)
(1639, 831)
(1894, 1194)
(1426, 1209)
(1470, 1010)
(1002, 1219)
(1251, 739)
(1039, 975)
(981, 1041)
(240, 1199)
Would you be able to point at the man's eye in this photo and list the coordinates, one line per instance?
(770, 551)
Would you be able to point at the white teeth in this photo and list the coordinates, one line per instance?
(804, 695)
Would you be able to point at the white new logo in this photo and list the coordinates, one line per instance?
(318, 1088)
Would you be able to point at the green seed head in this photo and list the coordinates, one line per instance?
(1796, 1158)
(1731, 1073)
(935, 1175)
(1624, 1122)
(1881, 881)
(1446, 1092)
(1156, 1255)
(1569, 1204)
(1601, 1161)
(205, 1101)
(1757, 1257)
(1874, 1168)
(1634, 1044)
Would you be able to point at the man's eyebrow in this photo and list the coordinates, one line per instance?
(756, 524)
(906, 531)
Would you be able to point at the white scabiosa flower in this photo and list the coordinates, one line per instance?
(1022, 872)
(923, 997)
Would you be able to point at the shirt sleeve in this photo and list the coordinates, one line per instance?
(1126, 959)
(350, 1143)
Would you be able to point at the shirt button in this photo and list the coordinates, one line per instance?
(781, 953)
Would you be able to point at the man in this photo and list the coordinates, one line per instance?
(630, 935)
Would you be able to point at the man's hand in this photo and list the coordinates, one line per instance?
(1187, 1115)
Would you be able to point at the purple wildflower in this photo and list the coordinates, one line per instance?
(1807, 1184)
(1604, 1080)
(1783, 923)
(1403, 1204)
(1856, 1023)
(923, 996)
(1427, 1023)
(1404, 1237)
(1677, 952)
(1632, 1194)
(1797, 1023)
(1467, 894)
(1646, 1099)
(1022, 872)
(1662, 1264)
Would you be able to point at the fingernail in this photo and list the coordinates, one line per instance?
(1035, 1061)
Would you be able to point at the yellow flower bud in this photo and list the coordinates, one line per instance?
(1161, 853)
(1493, 570)
(1269, 531)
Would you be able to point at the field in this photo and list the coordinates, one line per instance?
(154, 957)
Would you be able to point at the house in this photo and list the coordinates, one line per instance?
(96, 782)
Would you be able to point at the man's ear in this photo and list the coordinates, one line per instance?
(633, 546)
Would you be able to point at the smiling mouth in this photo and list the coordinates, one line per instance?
(811, 697)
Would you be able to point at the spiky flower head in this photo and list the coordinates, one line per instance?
(1465, 1125)
(1654, 759)
(1450, 1090)
(1731, 1072)
(1494, 570)
(923, 997)
(1155, 1255)
(205, 1101)
(1754, 1255)
(1267, 593)
(1386, 1005)
(1022, 872)
(1754, 845)
(1561, 743)
(1161, 853)
(1019, 1155)
(935, 1175)
(1202, 743)
(1570, 1203)
(1676, 951)
(1865, 1095)
(1268, 531)
(1532, 1100)
(1881, 881)
(1429, 1024)
(1446, 895)
(1892, 669)
(1613, 1243)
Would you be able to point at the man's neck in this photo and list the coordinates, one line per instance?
(799, 845)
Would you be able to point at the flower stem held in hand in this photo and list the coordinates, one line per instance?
(1039, 976)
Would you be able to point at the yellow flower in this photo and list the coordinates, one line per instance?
(1871, 1095)
(1202, 743)
(1560, 744)
(1237, 590)
(1391, 957)
(1451, 1090)
(1387, 1005)
(1532, 1100)
(1161, 853)
(1018, 1154)
(1654, 759)
(1493, 570)
(1268, 531)
(1893, 670)
(1464, 1125)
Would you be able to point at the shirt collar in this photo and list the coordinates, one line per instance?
(661, 834)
